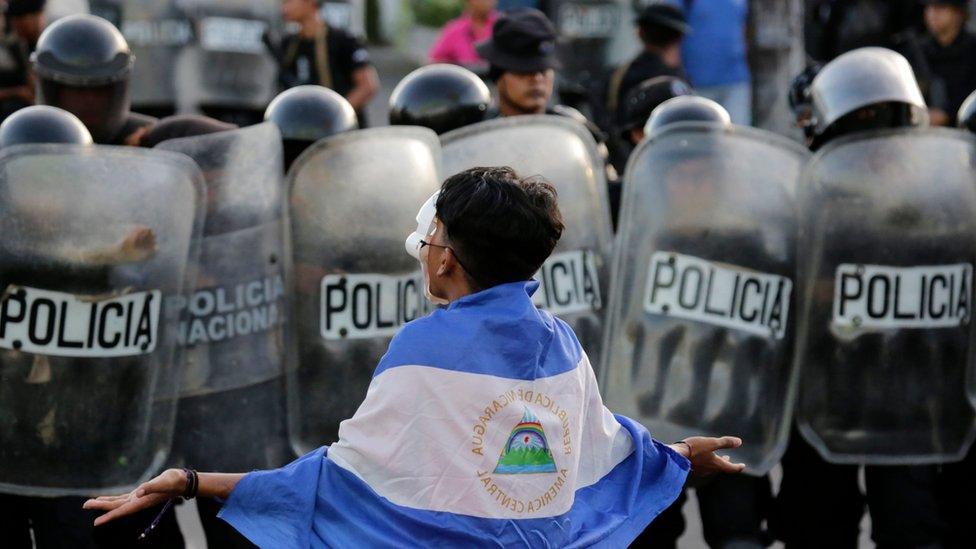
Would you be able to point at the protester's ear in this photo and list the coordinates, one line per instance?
(447, 263)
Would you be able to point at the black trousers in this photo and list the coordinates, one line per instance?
(957, 495)
(820, 504)
(732, 509)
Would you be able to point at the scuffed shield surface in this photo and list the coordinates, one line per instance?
(700, 329)
(94, 254)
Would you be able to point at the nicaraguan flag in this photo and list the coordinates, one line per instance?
(483, 426)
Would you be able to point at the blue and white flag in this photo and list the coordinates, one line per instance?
(483, 426)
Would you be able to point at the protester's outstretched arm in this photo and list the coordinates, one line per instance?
(700, 451)
(170, 484)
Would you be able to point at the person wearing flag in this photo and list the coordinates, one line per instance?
(483, 423)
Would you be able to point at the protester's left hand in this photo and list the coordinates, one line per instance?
(170, 484)
(700, 451)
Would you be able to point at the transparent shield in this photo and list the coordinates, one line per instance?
(228, 65)
(353, 199)
(96, 243)
(156, 32)
(700, 327)
(234, 334)
(235, 319)
(574, 279)
(885, 288)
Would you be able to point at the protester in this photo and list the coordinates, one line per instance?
(716, 57)
(526, 378)
(949, 50)
(457, 40)
(324, 55)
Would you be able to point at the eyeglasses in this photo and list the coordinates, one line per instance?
(467, 270)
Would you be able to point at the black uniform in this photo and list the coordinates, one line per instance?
(645, 66)
(839, 26)
(953, 71)
(345, 54)
(14, 68)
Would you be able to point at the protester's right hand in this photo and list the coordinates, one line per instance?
(170, 484)
(700, 451)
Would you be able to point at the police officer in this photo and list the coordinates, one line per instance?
(958, 480)
(306, 114)
(321, 54)
(644, 99)
(732, 510)
(83, 65)
(638, 106)
(522, 62)
(820, 504)
(440, 97)
(661, 28)
(60, 521)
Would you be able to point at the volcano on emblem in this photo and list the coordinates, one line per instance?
(527, 450)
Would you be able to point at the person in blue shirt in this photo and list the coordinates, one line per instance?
(715, 54)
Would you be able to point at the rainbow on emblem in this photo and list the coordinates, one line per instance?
(527, 450)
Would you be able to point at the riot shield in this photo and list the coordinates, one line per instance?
(156, 32)
(353, 199)
(586, 30)
(700, 326)
(228, 65)
(96, 243)
(574, 279)
(887, 238)
(234, 328)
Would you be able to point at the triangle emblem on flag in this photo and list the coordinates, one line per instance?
(527, 450)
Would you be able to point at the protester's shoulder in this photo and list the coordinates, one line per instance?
(566, 345)
(420, 341)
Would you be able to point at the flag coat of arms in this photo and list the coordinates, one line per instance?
(483, 426)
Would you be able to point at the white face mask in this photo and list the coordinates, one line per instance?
(425, 227)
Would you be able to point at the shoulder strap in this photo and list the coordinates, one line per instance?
(613, 90)
(322, 56)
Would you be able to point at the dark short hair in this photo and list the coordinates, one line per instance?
(659, 35)
(501, 226)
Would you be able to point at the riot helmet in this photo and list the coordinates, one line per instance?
(864, 89)
(641, 101)
(83, 65)
(43, 124)
(686, 108)
(967, 113)
(440, 97)
(306, 114)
